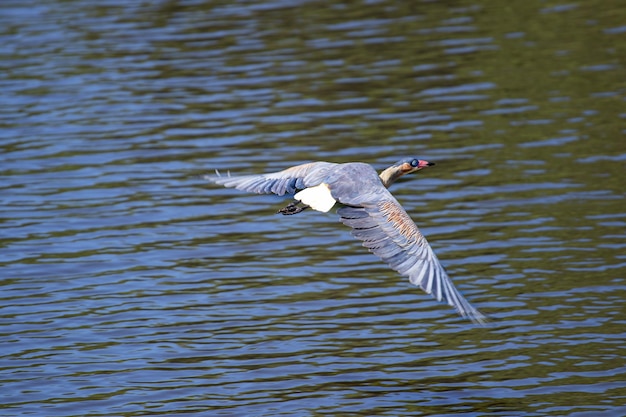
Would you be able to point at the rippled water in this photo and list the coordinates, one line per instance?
(130, 286)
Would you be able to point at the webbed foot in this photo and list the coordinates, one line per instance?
(292, 208)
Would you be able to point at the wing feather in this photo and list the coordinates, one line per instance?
(387, 230)
(288, 181)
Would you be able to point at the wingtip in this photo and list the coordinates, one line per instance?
(219, 174)
(479, 319)
(468, 311)
(216, 177)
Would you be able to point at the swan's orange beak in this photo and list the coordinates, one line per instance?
(423, 164)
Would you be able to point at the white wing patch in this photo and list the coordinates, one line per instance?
(318, 197)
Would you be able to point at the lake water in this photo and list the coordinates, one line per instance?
(130, 286)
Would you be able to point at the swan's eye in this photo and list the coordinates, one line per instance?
(415, 163)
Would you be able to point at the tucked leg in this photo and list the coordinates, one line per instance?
(292, 208)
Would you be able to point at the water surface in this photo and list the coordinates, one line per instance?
(130, 286)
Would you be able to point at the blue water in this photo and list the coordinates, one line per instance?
(130, 286)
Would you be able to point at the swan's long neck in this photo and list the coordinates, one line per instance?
(390, 175)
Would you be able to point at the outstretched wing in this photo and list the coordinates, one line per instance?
(288, 181)
(387, 230)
